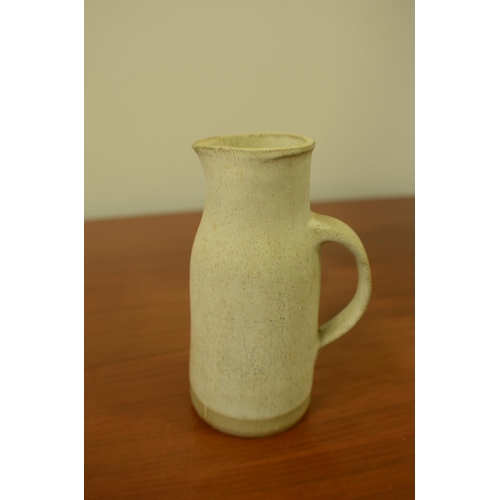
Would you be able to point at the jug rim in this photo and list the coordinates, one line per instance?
(257, 143)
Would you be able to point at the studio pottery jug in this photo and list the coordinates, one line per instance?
(255, 284)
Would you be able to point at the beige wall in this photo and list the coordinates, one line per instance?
(161, 74)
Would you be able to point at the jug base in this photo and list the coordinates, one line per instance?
(249, 428)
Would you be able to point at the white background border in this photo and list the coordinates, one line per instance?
(457, 250)
(41, 245)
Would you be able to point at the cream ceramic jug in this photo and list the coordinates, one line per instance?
(255, 284)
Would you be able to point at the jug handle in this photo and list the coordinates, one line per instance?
(328, 229)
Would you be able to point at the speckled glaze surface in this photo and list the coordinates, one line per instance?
(255, 284)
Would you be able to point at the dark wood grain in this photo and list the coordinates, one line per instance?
(143, 440)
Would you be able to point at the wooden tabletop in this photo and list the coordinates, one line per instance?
(143, 440)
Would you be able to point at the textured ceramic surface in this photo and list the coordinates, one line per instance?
(255, 284)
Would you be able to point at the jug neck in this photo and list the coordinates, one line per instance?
(259, 190)
(257, 178)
